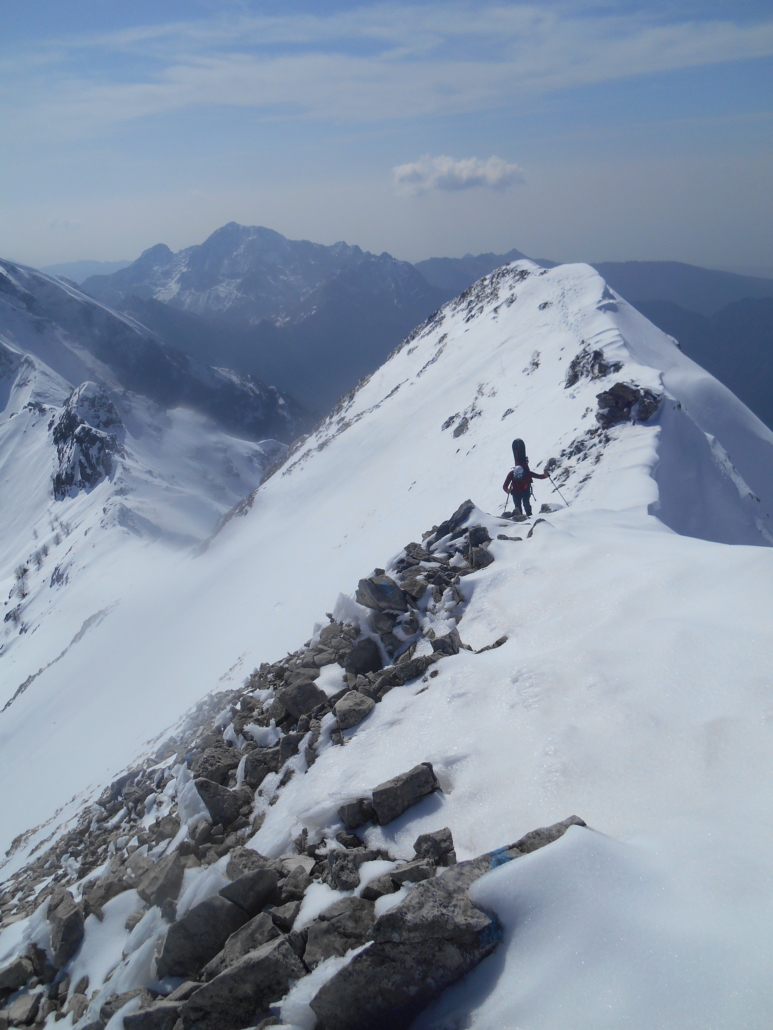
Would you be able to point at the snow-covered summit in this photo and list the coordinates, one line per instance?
(633, 687)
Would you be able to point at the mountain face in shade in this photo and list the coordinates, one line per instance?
(309, 318)
(96, 343)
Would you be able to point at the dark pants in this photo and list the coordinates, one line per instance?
(522, 499)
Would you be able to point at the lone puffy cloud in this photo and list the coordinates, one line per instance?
(445, 173)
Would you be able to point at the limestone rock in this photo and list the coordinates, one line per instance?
(363, 658)
(382, 594)
(251, 891)
(295, 884)
(66, 921)
(352, 709)
(216, 762)
(250, 937)
(15, 975)
(24, 1009)
(160, 1015)
(163, 881)
(259, 763)
(221, 803)
(196, 938)
(379, 887)
(356, 813)
(345, 925)
(395, 796)
(246, 860)
(437, 846)
(413, 872)
(421, 946)
(301, 697)
(343, 867)
(239, 996)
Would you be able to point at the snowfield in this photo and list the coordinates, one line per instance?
(634, 688)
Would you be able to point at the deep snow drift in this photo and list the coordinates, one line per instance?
(634, 688)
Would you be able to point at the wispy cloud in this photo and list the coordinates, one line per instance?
(372, 63)
(445, 173)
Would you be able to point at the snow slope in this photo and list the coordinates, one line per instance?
(634, 688)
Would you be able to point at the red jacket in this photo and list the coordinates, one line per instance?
(522, 485)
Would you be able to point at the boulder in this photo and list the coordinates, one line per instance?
(479, 558)
(222, 805)
(247, 938)
(395, 796)
(109, 1008)
(160, 1015)
(77, 1005)
(162, 882)
(452, 525)
(379, 887)
(66, 921)
(343, 867)
(478, 535)
(363, 658)
(290, 745)
(240, 996)
(24, 1009)
(251, 891)
(285, 915)
(448, 644)
(246, 860)
(421, 946)
(414, 583)
(352, 709)
(184, 991)
(437, 846)
(345, 925)
(382, 594)
(15, 975)
(625, 403)
(102, 891)
(301, 697)
(215, 763)
(413, 872)
(356, 813)
(196, 938)
(294, 886)
(259, 763)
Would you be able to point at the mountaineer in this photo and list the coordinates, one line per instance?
(518, 482)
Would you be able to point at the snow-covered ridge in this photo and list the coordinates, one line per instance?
(633, 687)
(591, 341)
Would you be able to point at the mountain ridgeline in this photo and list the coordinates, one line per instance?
(313, 320)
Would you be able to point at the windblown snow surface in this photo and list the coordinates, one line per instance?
(634, 689)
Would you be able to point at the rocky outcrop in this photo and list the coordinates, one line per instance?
(625, 403)
(86, 435)
(240, 949)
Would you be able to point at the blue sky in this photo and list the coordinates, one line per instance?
(577, 131)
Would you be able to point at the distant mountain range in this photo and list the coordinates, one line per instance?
(311, 319)
(100, 345)
(314, 319)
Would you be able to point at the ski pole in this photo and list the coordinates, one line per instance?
(558, 491)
